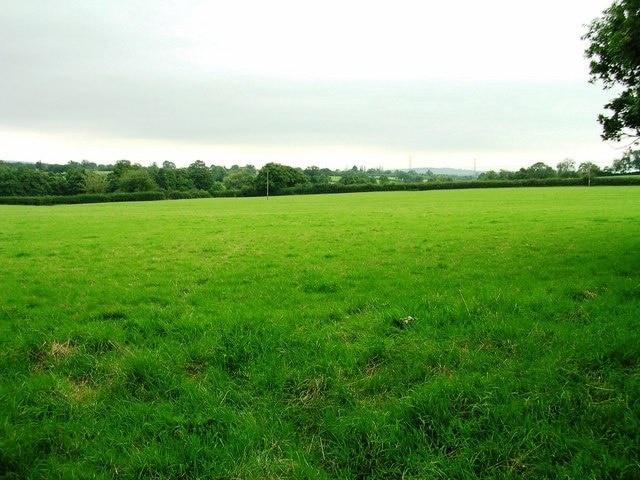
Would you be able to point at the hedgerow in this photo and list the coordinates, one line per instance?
(309, 189)
(83, 198)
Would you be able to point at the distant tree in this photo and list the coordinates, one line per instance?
(95, 182)
(136, 180)
(410, 176)
(356, 178)
(87, 165)
(444, 178)
(540, 170)
(53, 168)
(73, 165)
(119, 169)
(588, 167)
(239, 181)
(153, 170)
(589, 171)
(183, 180)
(317, 176)
(566, 168)
(9, 184)
(122, 166)
(490, 175)
(521, 174)
(634, 156)
(76, 181)
(218, 172)
(280, 176)
(629, 162)
(165, 178)
(506, 174)
(614, 55)
(217, 187)
(621, 165)
(33, 182)
(250, 169)
(200, 175)
(58, 184)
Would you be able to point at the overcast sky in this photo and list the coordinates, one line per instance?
(327, 83)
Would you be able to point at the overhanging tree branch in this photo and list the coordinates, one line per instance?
(614, 54)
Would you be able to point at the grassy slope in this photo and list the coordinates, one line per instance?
(252, 338)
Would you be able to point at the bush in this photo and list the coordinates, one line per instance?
(617, 180)
(194, 193)
(83, 198)
(395, 187)
(136, 180)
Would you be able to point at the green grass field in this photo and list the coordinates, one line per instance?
(442, 334)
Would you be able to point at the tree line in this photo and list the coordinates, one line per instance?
(629, 163)
(199, 180)
(196, 180)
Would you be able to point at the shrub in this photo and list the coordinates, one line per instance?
(617, 180)
(194, 193)
(83, 198)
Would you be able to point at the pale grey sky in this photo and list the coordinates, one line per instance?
(331, 83)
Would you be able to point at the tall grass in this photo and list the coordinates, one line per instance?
(444, 334)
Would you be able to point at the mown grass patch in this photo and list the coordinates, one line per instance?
(448, 334)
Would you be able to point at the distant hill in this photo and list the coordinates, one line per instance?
(454, 172)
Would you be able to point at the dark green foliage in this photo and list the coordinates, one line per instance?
(126, 177)
(567, 168)
(451, 185)
(279, 178)
(76, 182)
(166, 178)
(200, 175)
(356, 178)
(179, 195)
(540, 170)
(308, 188)
(48, 182)
(136, 180)
(9, 184)
(318, 175)
(84, 198)
(618, 180)
(629, 162)
(615, 60)
(240, 183)
(119, 169)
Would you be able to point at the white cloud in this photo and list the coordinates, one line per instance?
(376, 79)
(495, 39)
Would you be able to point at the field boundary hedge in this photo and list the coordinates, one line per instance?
(531, 182)
(84, 198)
(311, 189)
